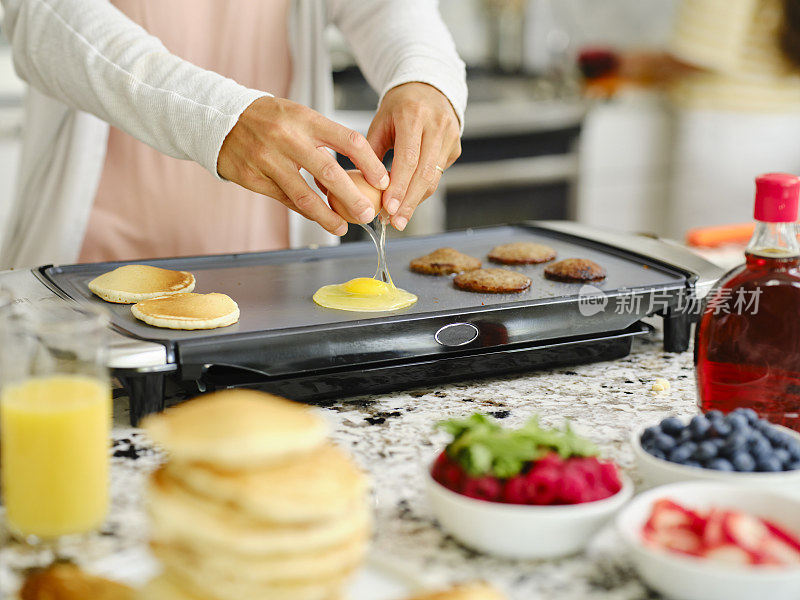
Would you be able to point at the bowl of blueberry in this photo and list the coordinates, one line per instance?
(738, 447)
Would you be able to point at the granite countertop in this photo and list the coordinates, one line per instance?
(392, 437)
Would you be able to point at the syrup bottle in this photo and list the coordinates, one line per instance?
(747, 345)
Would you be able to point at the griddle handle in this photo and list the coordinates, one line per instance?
(677, 330)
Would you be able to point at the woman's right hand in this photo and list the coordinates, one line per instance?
(274, 138)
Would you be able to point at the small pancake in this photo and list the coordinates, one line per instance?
(237, 429)
(521, 253)
(188, 311)
(444, 261)
(134, 283)
(492, 281)
(575, 270)
(180, 517)
(468, 591)
(319, 485)
(65, 581)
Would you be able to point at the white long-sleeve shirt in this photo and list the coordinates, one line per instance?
(89, 66)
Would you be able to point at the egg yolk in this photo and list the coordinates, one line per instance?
(364, 294)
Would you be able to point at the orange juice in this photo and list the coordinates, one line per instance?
(55, 454)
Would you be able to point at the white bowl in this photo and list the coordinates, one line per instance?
(522, 531)
(683, 577)
(658, 471)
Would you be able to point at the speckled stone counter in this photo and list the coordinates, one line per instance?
(392, 437)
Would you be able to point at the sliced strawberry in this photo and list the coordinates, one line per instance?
(677, 539)
(782, 534)
(668, 514)
(731, 554)
(713, 533)
(777, 552)
(745, 531)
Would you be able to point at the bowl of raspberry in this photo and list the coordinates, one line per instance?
(738, 448)
(530, 492)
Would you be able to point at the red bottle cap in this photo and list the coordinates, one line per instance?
(776, 198)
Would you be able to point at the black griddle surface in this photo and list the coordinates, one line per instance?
(274, 289)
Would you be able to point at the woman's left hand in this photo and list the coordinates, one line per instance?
(420, 124)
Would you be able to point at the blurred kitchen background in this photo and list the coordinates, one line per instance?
(536, 145)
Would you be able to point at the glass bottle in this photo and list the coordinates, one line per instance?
(747, 345)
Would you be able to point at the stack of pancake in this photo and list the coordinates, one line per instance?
(254, 502)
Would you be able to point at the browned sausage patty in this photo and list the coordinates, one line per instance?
(492, 281)
(444, 261)
(521, 253)
(575, 269)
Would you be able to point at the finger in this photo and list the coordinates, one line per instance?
(354, 145)
(424, 181)
(332, 176)
(306, 202)
(379, 136)
(408, 138)
(321, 187)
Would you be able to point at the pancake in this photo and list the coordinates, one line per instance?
(444, 261)
(134, 283)
(237, 428)
(196, 584)
(166, 587)
(65, 581)
(521, 253)
(575, 270)
(319, 485)
(319, 565)
(492, 281)
(179, 517)
(188, 311)
(470, 591)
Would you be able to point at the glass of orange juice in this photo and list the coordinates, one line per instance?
(55, 419)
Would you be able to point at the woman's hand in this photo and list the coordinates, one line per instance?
(419, 122)
(274, 138)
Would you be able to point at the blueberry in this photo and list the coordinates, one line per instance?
(705, 451)
(649, 434)
(777, 438)
(747, 413)
(793, 447)
(672, 426)
(762, 425)
(720, 464)
(737, 422)
(760, 448)
(782, 455)
(718, 442)
(657, 453)
(734, 443)
(693, 463)
(743, 462)
(680, 454)
(713, 415)
(769, 464)
(664, 442)
(721, 428)
(699, 427)
(794, 466)
(684, 436)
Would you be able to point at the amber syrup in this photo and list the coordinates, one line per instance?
(747, 348)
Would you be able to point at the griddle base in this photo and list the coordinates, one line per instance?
(323, 387)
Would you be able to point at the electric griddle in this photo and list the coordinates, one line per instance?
(285, 343)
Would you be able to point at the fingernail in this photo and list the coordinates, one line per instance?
(367, 215)
(392, 204)
(384, 182)
(340, 230)
(400, 223)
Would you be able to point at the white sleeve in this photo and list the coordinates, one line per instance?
(90, 56)
(399, 41)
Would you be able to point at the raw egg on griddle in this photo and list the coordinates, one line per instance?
(367, 294)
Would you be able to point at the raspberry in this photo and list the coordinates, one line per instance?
(516, 490)
(609, 477)
(450, 475)
(483, 488)
(572, 489)
(438, 466)
(543, 485)
(551, 459)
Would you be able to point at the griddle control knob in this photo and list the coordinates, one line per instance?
(456, 334)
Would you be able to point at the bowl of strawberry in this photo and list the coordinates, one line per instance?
(714, 541)
(738, 447)
(531, 492)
